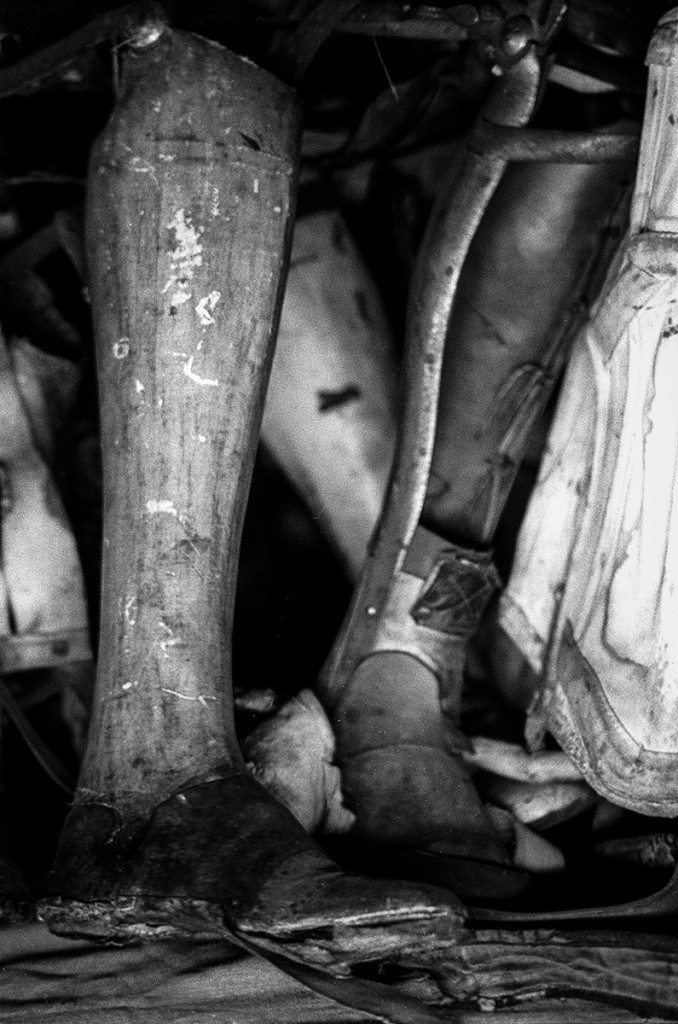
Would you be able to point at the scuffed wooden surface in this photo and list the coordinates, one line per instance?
(47, 980)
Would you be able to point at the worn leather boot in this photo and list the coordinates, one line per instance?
(399, 746)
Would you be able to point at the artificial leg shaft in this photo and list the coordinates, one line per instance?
(397, 718)
(522, 291)
(192, 187)
(182, 356)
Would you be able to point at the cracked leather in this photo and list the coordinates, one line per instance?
(456, 593)
(229, 843)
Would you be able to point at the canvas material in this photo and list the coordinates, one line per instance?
(593, 597)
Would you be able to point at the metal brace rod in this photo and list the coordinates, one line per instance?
(538, 144)
(507, 29)
(138, 23)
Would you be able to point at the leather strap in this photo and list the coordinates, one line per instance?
(392, 1006)
(26, 651)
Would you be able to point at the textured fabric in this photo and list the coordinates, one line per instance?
(47, 980)
(593, 598)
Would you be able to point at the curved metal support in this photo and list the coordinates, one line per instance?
(663, 903)
(553, 146)
(452, 225)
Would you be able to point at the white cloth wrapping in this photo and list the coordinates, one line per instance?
(593, 597)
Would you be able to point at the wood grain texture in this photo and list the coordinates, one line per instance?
(190, 202)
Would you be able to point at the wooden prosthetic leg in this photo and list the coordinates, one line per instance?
(189, 213)
(395, 703)
(330, 413)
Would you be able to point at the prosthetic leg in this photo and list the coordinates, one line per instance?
(330, 412)
(393, 684)
(189, 214)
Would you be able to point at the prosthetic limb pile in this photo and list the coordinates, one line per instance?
(330, 411)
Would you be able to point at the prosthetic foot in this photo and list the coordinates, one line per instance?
(398, 741)
(189, 213)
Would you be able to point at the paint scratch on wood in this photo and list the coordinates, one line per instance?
(202, 381)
